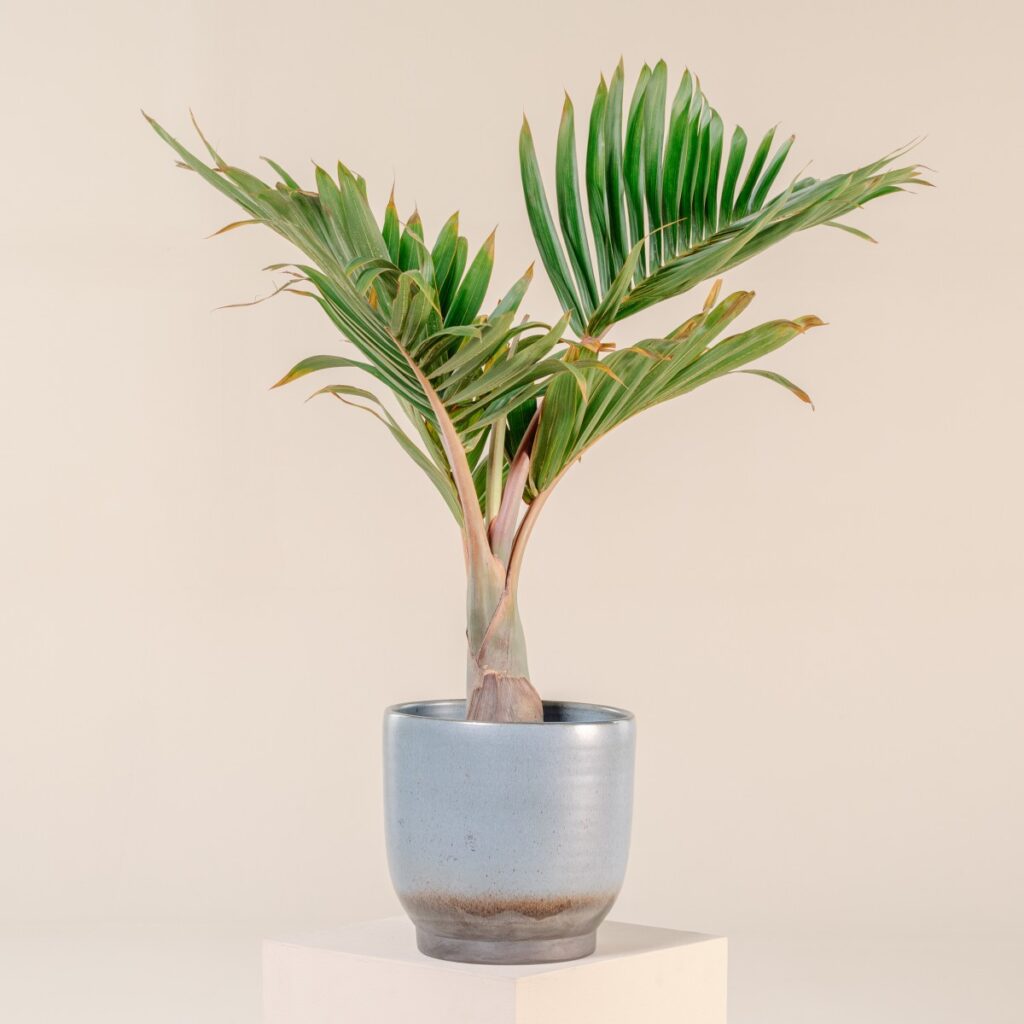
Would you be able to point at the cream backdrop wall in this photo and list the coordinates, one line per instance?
(211, 591)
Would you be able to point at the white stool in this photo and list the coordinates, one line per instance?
(373, 974)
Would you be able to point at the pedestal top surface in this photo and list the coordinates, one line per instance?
(393, 939)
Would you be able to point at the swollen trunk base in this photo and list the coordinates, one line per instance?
(502, 698)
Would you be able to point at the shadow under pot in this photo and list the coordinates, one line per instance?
(507, 843)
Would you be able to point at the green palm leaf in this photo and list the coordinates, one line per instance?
(679, 190)
(411, 310)
(655, 371)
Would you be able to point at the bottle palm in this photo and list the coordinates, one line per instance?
(499, 407)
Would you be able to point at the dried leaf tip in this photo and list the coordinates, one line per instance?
(805, 323)
(231, 227)
(713, 295)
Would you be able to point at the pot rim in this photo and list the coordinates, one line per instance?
(612, 715)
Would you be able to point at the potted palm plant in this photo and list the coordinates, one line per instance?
(508, 817)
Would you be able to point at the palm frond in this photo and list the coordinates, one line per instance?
(669, 182)
(438, 475)
(634, 379)
(411, 310)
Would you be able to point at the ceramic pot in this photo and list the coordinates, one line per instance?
(507, 843)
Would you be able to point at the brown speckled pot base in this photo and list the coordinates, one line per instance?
(497, 917)
(506, 930)
(506, 951)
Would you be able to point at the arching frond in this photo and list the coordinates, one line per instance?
(666, 178)
(650, 372)
(410, 309)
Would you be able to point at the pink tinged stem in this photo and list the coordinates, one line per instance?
(515, 561)
(515, 565)
(503, 529)
(478, 549)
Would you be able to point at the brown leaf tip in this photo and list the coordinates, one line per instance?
(805, 323)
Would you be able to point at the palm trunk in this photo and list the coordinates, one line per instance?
(498, 687)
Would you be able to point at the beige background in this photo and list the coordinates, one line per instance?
(211, 591)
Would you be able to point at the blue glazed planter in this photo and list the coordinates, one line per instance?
(507, 843)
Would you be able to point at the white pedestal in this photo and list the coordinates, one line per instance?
(373, 974)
